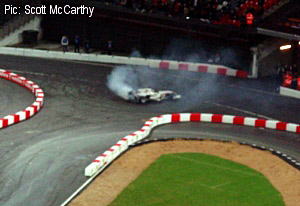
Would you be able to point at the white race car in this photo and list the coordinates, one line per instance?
(148, 94)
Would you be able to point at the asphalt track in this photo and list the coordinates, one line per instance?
(43, 158)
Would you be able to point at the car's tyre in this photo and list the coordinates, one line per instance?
(143, 100)
(137, 100)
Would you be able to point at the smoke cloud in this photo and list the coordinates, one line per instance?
(195, 88)
(122, 80)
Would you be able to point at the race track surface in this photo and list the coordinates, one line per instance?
(43, 158)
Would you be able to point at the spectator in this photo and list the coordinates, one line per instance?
(288, 78)
(249, 18)
(233, 12)
(185, 10)
(77, 44)
(87, 46)
(109, 47)
(65, 43)
(280, 74)
(217, 58)
(176, 8)
(294, 69)
(234, 5)
(211, 59)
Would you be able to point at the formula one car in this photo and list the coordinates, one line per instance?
(144, 95)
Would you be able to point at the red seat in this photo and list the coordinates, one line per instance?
(243, 6)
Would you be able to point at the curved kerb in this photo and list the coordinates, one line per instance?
(122, 145)
(29, 111)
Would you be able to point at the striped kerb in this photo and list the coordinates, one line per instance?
(221, 71)
(175, 118)
(184, 67)
(242, 74)
(260, 123)
(16, 118)
(195, 118)
(238, 120)
(4, 122)
(34, 108)
(202, 69)
(281, 126)
(164, 65)
(31, 110)
(27, 113)
(217, 118)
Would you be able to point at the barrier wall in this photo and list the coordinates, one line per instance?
(153, 63)
(122, 145)
(29, 111)
(289, 92)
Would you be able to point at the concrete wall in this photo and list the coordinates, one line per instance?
(16, 36)
(290, 92)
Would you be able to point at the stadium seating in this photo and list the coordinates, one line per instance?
(226, 12)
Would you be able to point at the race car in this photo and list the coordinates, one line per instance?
(144, 95)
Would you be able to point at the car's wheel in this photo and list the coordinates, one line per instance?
(169, 96)
(137, 100)
(143, 100)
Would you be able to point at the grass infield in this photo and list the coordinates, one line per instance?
(199, 179)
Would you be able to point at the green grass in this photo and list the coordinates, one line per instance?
(199, 179)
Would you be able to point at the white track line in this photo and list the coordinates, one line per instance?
(216, 166)
(220, 185)
(209, 187)
(83, 186)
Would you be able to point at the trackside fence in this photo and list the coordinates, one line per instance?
(152, 63)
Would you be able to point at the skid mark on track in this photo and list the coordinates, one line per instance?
(52, 75)
(217, 104)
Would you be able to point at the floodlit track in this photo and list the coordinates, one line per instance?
(43, 158)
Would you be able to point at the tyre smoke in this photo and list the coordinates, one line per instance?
(195, 88)
(122, 80)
